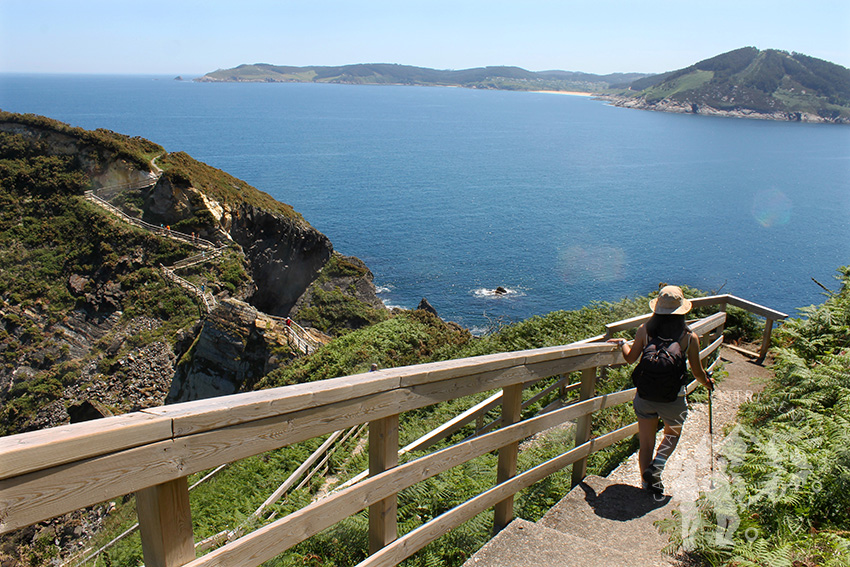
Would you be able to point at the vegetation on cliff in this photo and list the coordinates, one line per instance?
(341, 298)
(765, 82)
(184, 170)
(60, 254)
(136, 151)
(89, 325)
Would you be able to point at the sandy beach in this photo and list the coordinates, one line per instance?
(573, 93)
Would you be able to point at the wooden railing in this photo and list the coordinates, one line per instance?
(151, 452)
(160, 230)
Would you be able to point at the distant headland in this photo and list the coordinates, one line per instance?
(743, 83)
(502, 78)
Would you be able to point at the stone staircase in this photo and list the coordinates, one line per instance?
(600, 523)
(610, 522)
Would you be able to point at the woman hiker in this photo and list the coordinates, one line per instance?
(662, 343)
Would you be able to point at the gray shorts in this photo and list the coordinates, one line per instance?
(673, 413)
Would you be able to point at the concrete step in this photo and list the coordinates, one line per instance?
(526, 544)
(616, 516)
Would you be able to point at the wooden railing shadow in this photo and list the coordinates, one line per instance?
(151, 452)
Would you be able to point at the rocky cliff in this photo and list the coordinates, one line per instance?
(106, 326)
(284, 255)
(228, 354)
(688, 107)
(89, 324)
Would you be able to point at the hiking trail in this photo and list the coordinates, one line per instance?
(609, 522)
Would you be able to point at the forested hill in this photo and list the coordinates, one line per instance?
(748, 82)
(508, 78)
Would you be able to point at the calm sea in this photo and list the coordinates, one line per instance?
(448, 193)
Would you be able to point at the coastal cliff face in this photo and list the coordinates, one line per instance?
(284, 255)
(103, 165)
(688, 107)
(90, 326)
(100, 322)
(228, 353)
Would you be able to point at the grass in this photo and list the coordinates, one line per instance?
(796, 101)
(688, 82)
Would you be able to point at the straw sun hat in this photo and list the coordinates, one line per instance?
(670, 301)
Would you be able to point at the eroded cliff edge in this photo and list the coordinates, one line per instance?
(108, 329)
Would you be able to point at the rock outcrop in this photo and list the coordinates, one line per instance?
(688, 107)
(345, 287)
(103, 165)
(232, 351)
(284, 256)
(425, 305)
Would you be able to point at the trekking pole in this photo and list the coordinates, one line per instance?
(711, 435)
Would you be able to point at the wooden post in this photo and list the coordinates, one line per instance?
(722, 310)
(165, 522)
(588, 387)
(765, 340)
(506, 468)
(383, 455)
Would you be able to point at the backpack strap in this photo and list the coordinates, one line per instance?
(684, 333)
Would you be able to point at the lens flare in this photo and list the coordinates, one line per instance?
(771, 207)
(595, 262)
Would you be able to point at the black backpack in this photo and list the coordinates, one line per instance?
(661, 371)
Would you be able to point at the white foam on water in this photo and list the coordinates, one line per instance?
(490, 293)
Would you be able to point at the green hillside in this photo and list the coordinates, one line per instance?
(747, 80)
(507, 78)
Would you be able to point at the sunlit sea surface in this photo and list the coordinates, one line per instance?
(448, 193)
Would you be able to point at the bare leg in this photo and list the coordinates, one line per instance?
(667, 445)
(646, 435)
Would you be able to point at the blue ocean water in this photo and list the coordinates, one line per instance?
(448, 193)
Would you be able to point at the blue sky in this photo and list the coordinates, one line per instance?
(194, 37)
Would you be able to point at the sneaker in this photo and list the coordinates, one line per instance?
(652, 480)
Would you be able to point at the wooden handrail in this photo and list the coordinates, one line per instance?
(314, 518)
(205, 433)
(50, 472)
